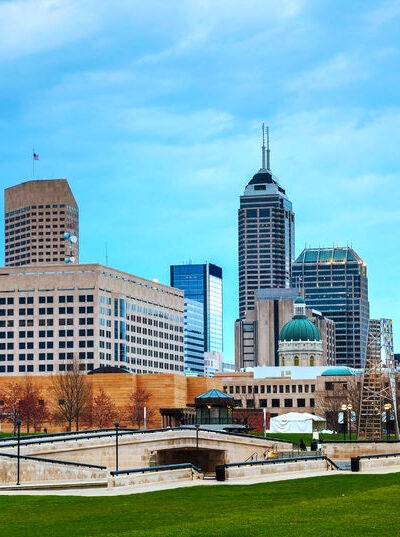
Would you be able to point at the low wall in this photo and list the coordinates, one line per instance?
(143, 478)
(256, 470)
(345, 450)
(32, 470)
(380, 462)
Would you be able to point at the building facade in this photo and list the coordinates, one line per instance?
(104, 317)
(335, 282)
(266, 237)
(203, 283)
(41, 223)
(194, 337)
(257, 335)
(300, 341)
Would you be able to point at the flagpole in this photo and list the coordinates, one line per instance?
(33, 163)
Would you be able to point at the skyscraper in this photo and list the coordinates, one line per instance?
(203, 283)
(41, 223)
(335, 282)
(194, 336)
(266, 235)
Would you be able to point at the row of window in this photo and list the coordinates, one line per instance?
(276, 403)
(274, 388)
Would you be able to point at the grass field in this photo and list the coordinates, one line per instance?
(307, 437)
(335, 506)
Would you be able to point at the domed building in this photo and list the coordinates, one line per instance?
(300, 341)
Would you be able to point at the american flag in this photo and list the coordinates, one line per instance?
(35, 156)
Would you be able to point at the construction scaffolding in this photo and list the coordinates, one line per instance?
(377, 394)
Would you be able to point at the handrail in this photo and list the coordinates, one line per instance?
(55, 461)
(64, 436)
(377, 455)
(359, 441)
(255, 454)
(157, 468)
(283, 460)
(66, 433)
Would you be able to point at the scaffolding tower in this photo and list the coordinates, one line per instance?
(375, 392)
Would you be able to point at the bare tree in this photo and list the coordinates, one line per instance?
(134, 411)
(31, 405)
(10, 403)
(104, 412)
(72, 394)
(329, 403)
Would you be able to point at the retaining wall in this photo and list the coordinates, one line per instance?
(344, 450)
(32, 470)
(143, 478)
(234, 472)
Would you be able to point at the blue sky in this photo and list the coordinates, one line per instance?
(152, 110)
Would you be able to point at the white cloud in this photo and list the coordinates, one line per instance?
(385, 12)
(338, 71)
(31, 26)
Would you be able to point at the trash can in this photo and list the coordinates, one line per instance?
(314, 445)
(220, 473)
(355, 464)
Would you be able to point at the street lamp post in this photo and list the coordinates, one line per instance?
(387, 407)
(344, 408)
(18, 423)
(116, 445)
(197, 427)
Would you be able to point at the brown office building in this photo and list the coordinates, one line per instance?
(41, 223)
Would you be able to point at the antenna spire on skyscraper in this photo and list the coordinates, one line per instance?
(268, 150)
(263, 148)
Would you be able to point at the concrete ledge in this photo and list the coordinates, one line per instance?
(346, 450)
(34, 470)
(381, 462)
(256, 470)
(143, 478)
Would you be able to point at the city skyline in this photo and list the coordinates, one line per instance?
(170, 149)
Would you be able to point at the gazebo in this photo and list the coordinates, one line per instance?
(214, 408)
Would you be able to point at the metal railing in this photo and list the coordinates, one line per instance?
(65, 437)
(66, 433)
(157, 468)
(280, 461)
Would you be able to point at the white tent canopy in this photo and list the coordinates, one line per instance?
(296, 422)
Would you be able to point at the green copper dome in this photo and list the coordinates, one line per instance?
(300, 329)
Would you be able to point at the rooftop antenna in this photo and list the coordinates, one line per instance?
(106, 255)
(263, 147)
(268, 151)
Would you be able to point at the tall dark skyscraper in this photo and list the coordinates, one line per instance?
(335, 282)
(202, 285)
(266, 235)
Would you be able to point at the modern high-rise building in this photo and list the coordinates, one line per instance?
(335, 282)
(103, 317)
(203, 283)
(41, 223)
(194, 337)
(266, 236)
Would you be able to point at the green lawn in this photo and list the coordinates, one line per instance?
(307, 437)
(335, 506)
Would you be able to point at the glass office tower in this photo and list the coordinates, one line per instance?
(335, 282)
(203, 283)
(194, 337)
(266, 236)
